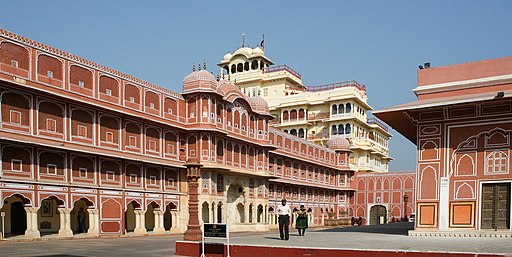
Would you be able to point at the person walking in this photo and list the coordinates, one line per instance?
(284, 212)
(301, 222)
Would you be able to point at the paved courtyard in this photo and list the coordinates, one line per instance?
(385, 237)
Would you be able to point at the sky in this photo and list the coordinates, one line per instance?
(377, 43)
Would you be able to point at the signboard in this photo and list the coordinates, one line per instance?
(215, 230)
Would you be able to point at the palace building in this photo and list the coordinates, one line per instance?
(462, 127)
(78, 138)
(314, 113)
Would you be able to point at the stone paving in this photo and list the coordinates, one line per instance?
(383, 237)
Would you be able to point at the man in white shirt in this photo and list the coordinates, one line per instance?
(284, 213)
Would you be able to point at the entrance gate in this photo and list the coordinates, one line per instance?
(496, 206)
(376, 212)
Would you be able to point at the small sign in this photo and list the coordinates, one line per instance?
(215, 230)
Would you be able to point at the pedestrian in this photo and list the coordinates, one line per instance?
(301, 222)
(353, 220)
(359, 221)
(284, 212)
(81, 221)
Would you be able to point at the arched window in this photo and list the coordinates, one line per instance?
(220, 149)
(293, 132)
(497, 162)
(334, 130)
(254, 65)
(341, 109)
(233, 68)
(285, 131)
(301, 133)
(246, 66)
(349, 108)
(293, 115)
(341, 130)
(334, 110)
(240, 67)
(285, 116)
(348, 129)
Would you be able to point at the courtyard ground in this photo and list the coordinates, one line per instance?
(380, 237)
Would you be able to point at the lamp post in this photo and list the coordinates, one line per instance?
(406, 199)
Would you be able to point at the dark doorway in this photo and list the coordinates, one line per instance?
(376, 212)
(496, 206)
(18, 218)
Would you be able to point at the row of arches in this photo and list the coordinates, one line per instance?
(302, 133)
(245, 66)
(341, 129)
(341, 109)
(294, 115)
(23, 162)
(51, 70)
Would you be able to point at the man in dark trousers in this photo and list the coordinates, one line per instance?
(284, 213)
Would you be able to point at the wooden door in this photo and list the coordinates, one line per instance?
(496, 206)
(376, 212)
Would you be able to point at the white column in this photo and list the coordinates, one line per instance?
(215, 214)
(65, 222)
(444, 203)
(32, 227)
(140, 222)
(159, 222)
(246, 213)
(94, 221)
(175, 222)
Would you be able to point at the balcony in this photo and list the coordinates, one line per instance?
(379, 123)
(282, 68)
(326, 87)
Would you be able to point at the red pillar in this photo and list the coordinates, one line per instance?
(193, 232)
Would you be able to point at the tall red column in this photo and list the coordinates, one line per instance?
(193, 232)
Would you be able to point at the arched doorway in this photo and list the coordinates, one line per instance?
(219, 212)
(149, 216)
(251, 207)
(260, 214)
(48, 216)
(15, 215)
(80, 216)
(18, 218)
(240, 209)
(206, 212)
(235, 206)
(129, 216)
(378, 214)
(168, 222)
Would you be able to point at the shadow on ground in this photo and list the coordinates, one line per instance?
(398, 228)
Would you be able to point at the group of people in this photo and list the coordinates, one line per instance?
(301, 223)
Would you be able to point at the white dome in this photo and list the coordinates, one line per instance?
(257, 50)
(243, 50)
(227, 56)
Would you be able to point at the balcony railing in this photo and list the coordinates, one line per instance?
(326, 87)
(283, 68)
(378, 123)
(318, 116)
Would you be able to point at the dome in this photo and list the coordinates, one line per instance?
(228, 56)
(338, 143)
(259, 105)
(257, 50)
(199, 81)
(244, 50)
(202, 75)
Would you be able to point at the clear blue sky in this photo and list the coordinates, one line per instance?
(377, 43)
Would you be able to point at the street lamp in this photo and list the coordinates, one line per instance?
(406, 199)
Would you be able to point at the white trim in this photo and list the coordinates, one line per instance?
(461, 83)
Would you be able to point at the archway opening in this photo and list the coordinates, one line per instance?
(378, 214)
(80, 217)
(48, 216)
(149, 216)
(206, 212)
(15, 215)
(259, 218)
(129, 216)
(168, 219)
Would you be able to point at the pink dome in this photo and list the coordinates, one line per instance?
(202, 81)
(259, 105)
(338, 143)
